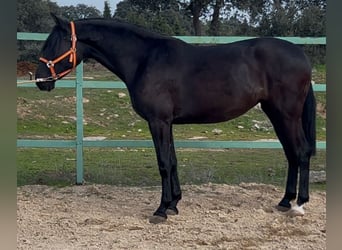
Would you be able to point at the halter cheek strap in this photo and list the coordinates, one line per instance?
(72, 59)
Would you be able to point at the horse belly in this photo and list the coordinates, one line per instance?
(203, 119)
(209, 95)
(211, 111)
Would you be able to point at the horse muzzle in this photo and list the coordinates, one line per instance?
(44, 85)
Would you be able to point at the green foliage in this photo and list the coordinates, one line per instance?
(79, 11)
(189, 17)
(262, 17)
(34, 16)
(160, 16)
(312, 22)
(107, 11)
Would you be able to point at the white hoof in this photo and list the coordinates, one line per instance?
(296, 211)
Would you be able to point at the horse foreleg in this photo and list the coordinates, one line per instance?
(175, 186)
(161, 135)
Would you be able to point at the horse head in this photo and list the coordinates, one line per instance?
(58, 55)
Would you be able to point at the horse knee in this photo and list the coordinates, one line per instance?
(164, 168)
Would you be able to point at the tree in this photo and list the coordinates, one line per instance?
(312, 22)
(293, 18)
(197, 8)
(79, 11)
(215, 22)
(162, 16)
(188, 17)
(107, 11)
(33, 15)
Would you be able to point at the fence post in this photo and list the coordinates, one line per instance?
(79, 124)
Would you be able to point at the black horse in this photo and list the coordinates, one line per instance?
(172, 82)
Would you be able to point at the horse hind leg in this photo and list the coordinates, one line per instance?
(303, 192)
(291, 135)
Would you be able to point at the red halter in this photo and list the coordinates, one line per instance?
(51, 63)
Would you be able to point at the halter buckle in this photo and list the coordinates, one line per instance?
(50, 64)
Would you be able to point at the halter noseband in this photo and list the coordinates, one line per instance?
(72, 59)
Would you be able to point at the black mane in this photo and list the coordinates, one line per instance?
(123, 25)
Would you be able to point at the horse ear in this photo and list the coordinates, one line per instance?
(59, 21)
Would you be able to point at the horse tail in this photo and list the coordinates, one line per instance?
(309, 120)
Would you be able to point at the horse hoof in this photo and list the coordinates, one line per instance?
(284, 205)
(296, 211)
(156, 219)
(282, 208)
(171, 211)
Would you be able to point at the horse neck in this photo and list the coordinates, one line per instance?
(120, 52)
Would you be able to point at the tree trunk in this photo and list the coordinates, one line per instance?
(196, 8)
(197, 24)
(215, 22)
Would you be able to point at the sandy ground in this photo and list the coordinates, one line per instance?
(211, 217)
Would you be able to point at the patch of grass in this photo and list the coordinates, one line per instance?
(318, 73)
(138, 167)
(46, 167)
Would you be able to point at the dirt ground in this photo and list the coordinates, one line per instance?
(211, 216)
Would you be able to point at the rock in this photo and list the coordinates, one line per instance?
(317, 176)
(121, 95)
(198, 138)
(94, 138)
(256, 126)
(217, 131)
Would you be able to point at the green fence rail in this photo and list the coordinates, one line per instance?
(79, 84)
